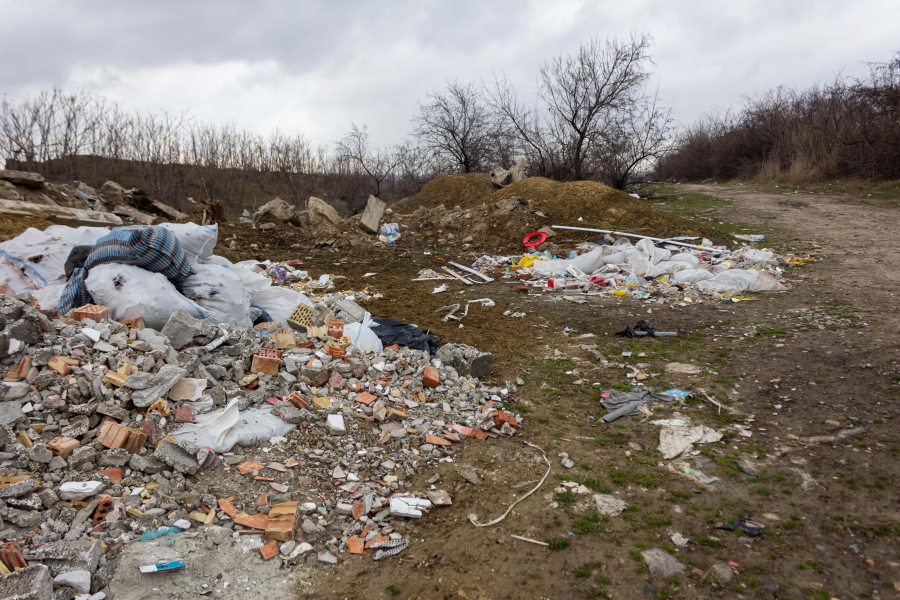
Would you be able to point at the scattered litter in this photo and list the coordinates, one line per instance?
(395, 547)
(174, 565)
(744, 525)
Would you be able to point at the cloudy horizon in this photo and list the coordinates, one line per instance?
(314, 69)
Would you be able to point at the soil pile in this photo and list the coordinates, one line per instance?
(470, 206)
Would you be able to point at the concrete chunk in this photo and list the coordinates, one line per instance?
(30, 583)
(371, 217)
(467, 361)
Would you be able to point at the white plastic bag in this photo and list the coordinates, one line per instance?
(220, 293)
(588, 263)
(730, 281)
(36, 259)
(691, 276)
(651, 252)
(765, 282)
(121, 287)
(277, 303)
(223, 428)
(687, 258)
(363, 337)
(197, 241)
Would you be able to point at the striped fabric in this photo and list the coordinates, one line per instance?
(151, 248)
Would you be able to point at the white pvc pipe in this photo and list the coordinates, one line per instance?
(645, 237)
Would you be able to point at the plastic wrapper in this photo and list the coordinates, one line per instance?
(589, 262)
(222, 429)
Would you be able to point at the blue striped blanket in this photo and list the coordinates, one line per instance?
(151, 248)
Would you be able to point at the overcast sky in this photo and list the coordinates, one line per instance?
(313, 67)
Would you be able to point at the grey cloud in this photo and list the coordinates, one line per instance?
(370, 62)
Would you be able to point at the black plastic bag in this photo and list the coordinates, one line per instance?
(392, 332)
(644, 326)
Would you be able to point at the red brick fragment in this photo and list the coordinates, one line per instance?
(431, 377)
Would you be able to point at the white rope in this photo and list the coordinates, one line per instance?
(474, 518)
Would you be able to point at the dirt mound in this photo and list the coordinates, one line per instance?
(470, 206)
(11, 227)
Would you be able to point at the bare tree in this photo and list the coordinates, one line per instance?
(377, 163)
(582, 95)
(633, 142)
(456, 126)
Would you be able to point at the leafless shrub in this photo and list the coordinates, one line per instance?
(846, 128)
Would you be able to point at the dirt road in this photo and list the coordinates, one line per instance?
(861, 237)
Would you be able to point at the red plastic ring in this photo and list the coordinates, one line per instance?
(532, 244)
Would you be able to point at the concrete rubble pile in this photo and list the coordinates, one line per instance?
(26, 194)
(663, 274)
(112, 434)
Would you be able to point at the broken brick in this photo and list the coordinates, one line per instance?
(297, 400)
(63, 446)
(94, 312)
(114, 474)
(269, 550)
(366, 398)
(284, 339)
(266, 360)
(113, 435)
(19, 373)
(431, 377)
(435, 440)
(253, 522)
(227, 507)
(60, 366)
(103, 509)
(356, 545)
(283, 519)
(184, 414)
(11, 556)
(248, 466)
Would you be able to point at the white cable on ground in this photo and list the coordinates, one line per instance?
(474, 518)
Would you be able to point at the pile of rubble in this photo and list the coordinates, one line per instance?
(287, 439)
(28, 194)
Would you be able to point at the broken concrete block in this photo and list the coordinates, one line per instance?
(149, 387)
(371, 216)
(501, 177)
(288, 413)
(335, 424)
(609, 505)
(23, 178)
(321, 212)
(181, 329)
(79, 490)
(185, 457)
(409, 507)
(30, 583)
(662, 563)
(466, 360)
(79, 580)
(67, 556)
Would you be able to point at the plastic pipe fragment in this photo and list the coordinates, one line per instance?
(621, 412)
(643, 237)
